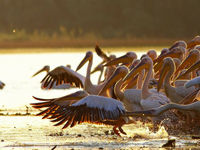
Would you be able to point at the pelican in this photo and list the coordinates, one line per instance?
(149, 99)
(2, 85)
(54, 86)
(81, 107)
(175, 94)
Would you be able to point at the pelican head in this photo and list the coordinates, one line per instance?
(195, 41)
(88, 57)
(179, 43)
(127, 58)
(145, 63)
(176, 52)
(152, 54)
(168, 64)
(118, 74)
(189, 60)
(45, 68)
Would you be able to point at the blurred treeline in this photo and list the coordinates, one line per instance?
(98, 19)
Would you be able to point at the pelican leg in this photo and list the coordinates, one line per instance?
(116, 131)
(119, 125)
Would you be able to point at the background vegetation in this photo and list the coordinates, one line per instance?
(128, 21)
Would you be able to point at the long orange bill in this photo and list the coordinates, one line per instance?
(85, 59)
(157, 66)
(38, 72)
(130, 84)
(122, 59)
(168, 54)
(111, 81)
(193, 67)
(133, 72)
(162, 77)
(186, 63)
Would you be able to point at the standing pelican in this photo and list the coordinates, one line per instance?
(175, 94)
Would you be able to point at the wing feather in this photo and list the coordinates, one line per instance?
(61, 75)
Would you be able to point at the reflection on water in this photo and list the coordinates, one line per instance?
(17, 69)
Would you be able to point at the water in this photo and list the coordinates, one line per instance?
(31, 132)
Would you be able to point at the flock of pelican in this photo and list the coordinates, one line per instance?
(131, 87)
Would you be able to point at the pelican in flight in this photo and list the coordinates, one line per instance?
(80, 107)
(175, 94)
(2, 85)
(54, 86)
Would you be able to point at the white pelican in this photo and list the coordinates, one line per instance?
(149, 99)
(80, 107)
(2, 85)
(54, 86)
(175, 94)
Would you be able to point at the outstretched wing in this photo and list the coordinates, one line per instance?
(101, 54)
(91, 109)
(61, 75)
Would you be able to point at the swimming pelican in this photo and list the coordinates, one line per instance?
(80, 107)
(54, 86)
(175, 94)
(2, 85)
